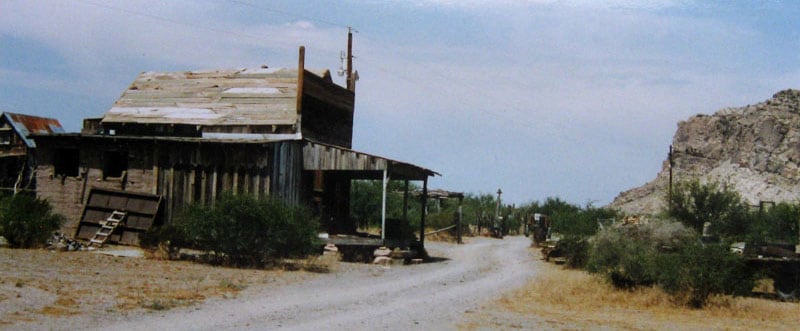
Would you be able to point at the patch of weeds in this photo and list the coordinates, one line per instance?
(159, 304)
(229, 285)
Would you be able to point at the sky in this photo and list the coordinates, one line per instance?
(571, 99)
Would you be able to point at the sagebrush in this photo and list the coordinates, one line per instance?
(244, 230)
(27, 221)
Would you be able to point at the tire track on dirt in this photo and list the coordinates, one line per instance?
(430, 296)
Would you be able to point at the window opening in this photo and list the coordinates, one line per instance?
(67, 162)
(114, 163)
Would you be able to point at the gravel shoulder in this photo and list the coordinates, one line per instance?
(427, 296)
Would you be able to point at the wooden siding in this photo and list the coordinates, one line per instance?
(288, 170)
(327, 157)
(179, 171)
(318, 156)
(327, 111)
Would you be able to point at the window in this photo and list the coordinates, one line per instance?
(6, 137)
(66, 162)
(114, 163)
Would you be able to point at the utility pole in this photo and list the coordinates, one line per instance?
(671, 163)
(497, 208)
(352, 77)
(496, 226)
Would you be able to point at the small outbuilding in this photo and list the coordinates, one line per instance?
(17, 148)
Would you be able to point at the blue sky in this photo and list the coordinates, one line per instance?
(575, 99)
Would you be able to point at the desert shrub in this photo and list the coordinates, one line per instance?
(439, 220)
(165, 239)
(669, 255)
(27, 221)
(627, 255)
(575, 249)
(246, 231)
(695, 272)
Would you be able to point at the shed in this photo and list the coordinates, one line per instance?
(17, 157)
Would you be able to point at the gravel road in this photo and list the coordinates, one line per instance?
(357, 296)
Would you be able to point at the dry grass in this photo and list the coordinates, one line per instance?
(571, 299)
(37, 284)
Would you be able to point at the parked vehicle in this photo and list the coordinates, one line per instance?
(781, 262)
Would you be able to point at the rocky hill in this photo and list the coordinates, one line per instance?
(755, 148)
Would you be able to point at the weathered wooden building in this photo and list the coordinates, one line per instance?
(188, 136)
(17, 149)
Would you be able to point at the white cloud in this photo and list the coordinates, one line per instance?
(627, 4)
(520, 83)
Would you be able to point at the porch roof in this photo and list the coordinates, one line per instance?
(325, 157)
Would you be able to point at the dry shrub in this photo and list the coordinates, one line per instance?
(313, 263)
(444, 236)
(584, 300)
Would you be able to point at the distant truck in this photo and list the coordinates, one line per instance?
(538, 225)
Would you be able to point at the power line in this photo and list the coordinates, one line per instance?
(170, 20)
(446, 78)
(287, 13)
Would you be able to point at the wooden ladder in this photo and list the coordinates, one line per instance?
(107, 228)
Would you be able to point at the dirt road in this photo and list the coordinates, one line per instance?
(427, 296)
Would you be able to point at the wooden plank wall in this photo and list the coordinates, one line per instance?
(181, 172)
(201, 172)
(287, 173)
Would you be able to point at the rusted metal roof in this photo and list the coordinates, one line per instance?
(25, 125)
(211, 98)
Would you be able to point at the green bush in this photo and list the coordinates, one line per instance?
(245, 231)
(627, 255)
(26, 221)
(669, 255)
(624, 255)
(438, 221)
(575, 249)
(697, 271)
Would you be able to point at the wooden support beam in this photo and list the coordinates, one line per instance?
(214, 186)
(383, 204)
(424, 211)
(405, 202)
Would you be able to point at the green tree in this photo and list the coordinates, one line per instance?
(365, 202)
(694, 203)
(778, 224)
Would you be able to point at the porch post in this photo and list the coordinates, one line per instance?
(405, 202)
(424, 211)
(383, 205)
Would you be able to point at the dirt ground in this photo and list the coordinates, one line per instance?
(66, 290)
(484, 284)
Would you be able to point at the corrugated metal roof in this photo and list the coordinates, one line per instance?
(26, 125)
(212, 97)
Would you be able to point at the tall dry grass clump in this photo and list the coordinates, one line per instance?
(586, 300)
